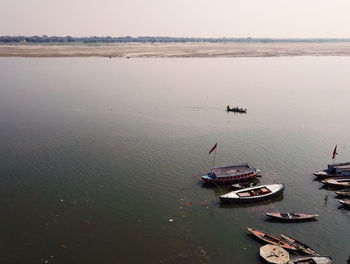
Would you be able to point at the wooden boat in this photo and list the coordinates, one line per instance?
(345, 202)
(311, 260)
(300, 246)
(291, 216)
(334, 170)
(337, 182)
(236, 109)
(253, 194)
(345, 192)
(231, 174)
(274, 254)
(271, 239)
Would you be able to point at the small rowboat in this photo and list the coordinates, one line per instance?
(345, 192)
(271, 239)
(291, 216)
(236, 109)
(311, 260)
(337, 182)
(253, 194)
(345, 202)
(300, 246)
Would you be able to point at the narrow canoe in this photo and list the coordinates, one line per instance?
(300, 246)
(314, 260)
(291, 216)
(345, 192)
(345, 202)
(271, 239)
(337, 182)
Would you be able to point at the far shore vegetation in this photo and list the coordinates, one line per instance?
(44, 39)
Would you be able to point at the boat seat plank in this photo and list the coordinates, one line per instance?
(244, 194)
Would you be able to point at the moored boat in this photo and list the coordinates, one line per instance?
(345, 192)
(300, 246)
(311, 260)
(337, 182)
(291, 216)
(334, 170)
(274, 254)
(271, 239)
(345, 202)
(252, 194)
(231, 174)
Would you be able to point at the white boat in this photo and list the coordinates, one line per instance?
(253, 194)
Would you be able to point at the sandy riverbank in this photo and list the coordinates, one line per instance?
(179, 50)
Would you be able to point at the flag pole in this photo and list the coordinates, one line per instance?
(211, 150)
(214, 158)
(335, 153)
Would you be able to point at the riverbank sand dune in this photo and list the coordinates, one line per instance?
(180, 50)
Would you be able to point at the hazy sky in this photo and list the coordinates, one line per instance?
(185, 18)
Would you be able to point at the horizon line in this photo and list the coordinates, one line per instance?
(160, 36)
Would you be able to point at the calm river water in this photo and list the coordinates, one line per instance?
(97, 155)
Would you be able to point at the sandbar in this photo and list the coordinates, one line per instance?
(177, 50)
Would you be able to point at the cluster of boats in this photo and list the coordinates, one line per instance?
(337, 176)
(242, 173)
(276, 254)
(246, 190)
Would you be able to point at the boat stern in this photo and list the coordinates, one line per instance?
(229, 197)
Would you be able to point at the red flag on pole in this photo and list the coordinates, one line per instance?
(334, 152)
(213, 148)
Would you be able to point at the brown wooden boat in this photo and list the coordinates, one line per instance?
(300, 246)
(344, 192)
(345, 202)
(271, 239)
(311, 260)
(291, 216)
(339, 182)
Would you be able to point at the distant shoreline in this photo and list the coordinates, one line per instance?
(177, 50)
